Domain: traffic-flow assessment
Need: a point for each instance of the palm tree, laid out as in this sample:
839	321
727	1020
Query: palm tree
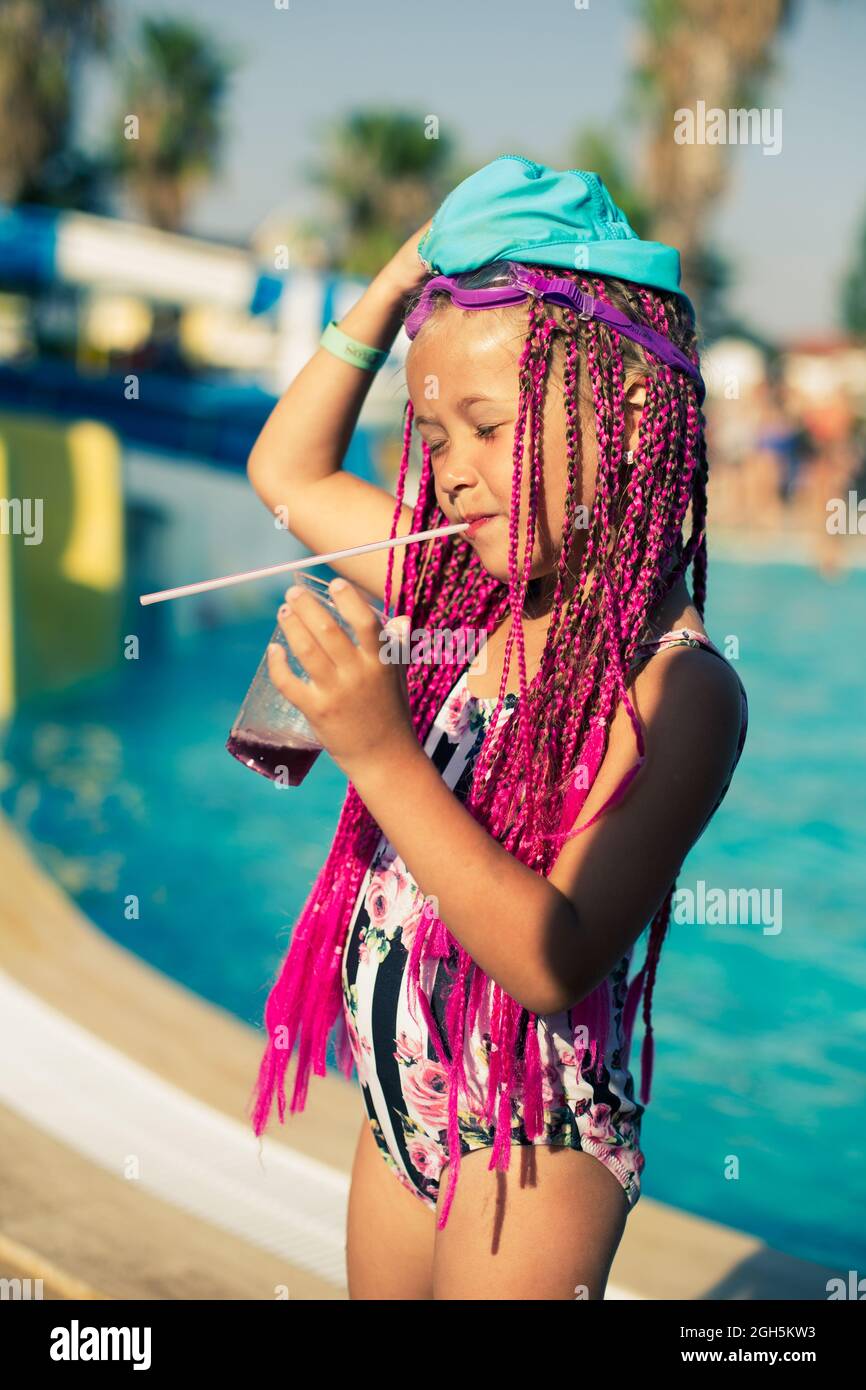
174	88
42	44
718	51
383	177
852	299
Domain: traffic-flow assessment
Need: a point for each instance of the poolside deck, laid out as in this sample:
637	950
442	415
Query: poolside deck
130	1171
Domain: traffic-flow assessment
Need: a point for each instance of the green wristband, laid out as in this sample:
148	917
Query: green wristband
349	349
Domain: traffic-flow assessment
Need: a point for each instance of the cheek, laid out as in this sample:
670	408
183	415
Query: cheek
555	477
499	467
556	466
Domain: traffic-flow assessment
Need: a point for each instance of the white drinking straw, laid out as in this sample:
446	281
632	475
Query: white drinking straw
228	579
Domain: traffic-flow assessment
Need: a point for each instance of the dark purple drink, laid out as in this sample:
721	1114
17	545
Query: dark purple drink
272	758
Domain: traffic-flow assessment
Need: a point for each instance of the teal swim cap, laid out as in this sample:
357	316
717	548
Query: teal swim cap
516	210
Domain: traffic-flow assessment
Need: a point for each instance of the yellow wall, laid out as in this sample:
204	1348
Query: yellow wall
61	600
7	644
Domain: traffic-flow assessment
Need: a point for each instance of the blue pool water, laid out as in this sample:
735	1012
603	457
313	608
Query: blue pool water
124	787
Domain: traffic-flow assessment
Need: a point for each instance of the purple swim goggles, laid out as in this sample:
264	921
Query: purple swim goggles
521	282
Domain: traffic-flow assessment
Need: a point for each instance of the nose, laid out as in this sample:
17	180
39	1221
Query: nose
457	474
457	477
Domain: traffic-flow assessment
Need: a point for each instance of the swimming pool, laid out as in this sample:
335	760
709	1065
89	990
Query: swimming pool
758	1114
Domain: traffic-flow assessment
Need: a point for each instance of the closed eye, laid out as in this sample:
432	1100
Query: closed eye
482	432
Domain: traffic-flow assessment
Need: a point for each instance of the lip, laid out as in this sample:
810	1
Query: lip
477	522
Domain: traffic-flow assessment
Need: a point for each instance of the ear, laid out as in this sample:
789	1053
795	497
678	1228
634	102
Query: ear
635	400
636	393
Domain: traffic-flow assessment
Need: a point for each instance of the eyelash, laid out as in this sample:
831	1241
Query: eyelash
482	431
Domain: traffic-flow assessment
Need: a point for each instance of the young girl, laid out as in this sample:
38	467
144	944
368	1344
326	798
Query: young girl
501	850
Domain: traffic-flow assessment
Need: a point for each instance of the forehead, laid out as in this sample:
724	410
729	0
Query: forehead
462	348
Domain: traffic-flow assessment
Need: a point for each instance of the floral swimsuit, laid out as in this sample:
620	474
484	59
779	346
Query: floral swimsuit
402	1080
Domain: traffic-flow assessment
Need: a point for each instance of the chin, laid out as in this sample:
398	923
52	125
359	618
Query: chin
499	572
495	570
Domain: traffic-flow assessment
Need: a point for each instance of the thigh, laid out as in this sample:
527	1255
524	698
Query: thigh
548	1228
389	1233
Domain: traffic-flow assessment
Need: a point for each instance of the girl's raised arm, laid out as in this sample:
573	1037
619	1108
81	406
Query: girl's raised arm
296	462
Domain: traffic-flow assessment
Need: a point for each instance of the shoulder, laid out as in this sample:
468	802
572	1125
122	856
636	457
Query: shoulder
690	701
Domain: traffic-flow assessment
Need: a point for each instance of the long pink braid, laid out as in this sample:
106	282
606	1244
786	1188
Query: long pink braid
533	774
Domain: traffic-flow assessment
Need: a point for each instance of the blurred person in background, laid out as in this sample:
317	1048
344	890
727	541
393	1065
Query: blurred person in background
730	433
779	449
835	467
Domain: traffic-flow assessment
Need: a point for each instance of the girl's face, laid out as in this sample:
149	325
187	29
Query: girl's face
462	374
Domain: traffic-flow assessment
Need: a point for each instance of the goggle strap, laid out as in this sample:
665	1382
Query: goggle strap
556	290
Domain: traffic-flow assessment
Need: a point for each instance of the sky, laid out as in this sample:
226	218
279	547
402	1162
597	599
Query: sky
524	78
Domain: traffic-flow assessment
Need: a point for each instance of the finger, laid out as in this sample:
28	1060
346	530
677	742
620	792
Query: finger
305	644
358	613
395	631
333	642
283	679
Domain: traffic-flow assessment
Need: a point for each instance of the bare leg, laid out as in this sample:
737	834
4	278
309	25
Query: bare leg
389	1233
546	1229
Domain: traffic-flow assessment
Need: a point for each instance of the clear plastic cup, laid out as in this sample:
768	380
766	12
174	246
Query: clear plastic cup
270	734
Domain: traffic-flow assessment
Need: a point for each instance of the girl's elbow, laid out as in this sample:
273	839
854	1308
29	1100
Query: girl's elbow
255	460
541	995
555	996
574	984
560	997
556	1004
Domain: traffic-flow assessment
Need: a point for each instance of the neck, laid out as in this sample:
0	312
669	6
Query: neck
538	600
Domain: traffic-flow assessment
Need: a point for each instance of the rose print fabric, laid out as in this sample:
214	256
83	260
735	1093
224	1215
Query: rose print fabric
402	1080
